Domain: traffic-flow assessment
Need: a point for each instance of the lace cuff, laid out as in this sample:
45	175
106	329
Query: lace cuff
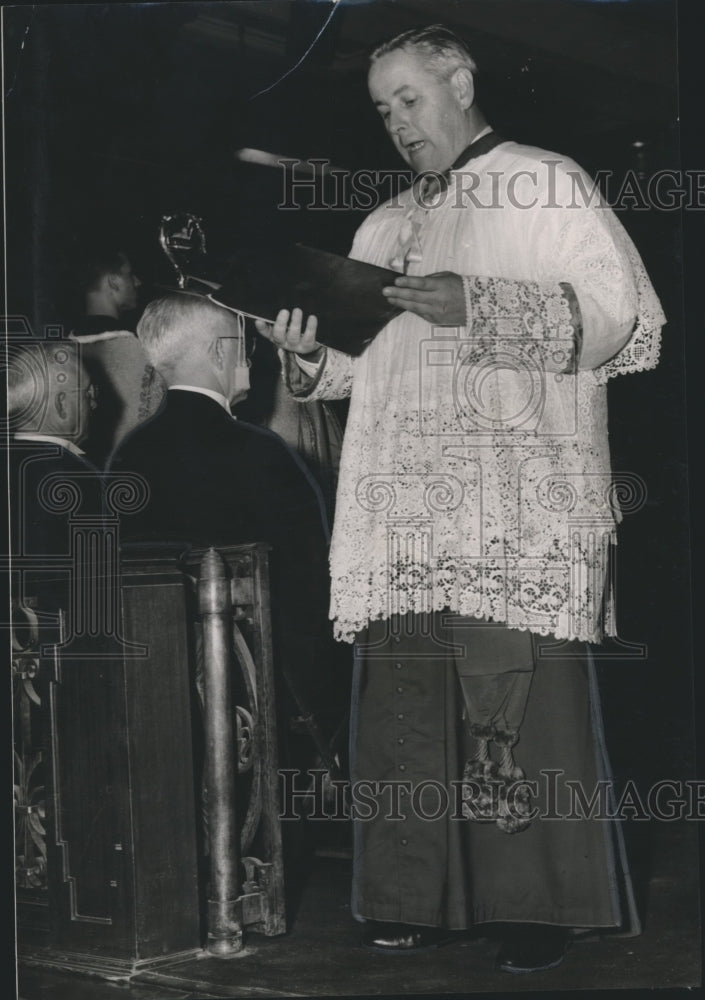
641	353
333	380
594	252
499	308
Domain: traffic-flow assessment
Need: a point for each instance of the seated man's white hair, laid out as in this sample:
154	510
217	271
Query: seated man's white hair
177	325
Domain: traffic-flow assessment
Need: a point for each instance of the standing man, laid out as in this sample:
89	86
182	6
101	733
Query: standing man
474	516
127	385
110	290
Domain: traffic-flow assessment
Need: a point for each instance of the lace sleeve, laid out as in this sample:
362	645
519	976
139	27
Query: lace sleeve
642	350
333	380
596	254
548	312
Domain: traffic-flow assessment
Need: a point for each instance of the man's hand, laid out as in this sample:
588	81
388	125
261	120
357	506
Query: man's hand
438	298
288	334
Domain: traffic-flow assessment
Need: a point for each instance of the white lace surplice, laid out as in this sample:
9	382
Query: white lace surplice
475	473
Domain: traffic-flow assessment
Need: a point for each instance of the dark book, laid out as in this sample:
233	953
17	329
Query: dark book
345	295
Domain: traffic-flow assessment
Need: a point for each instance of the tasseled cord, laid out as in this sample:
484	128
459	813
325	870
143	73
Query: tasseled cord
490	782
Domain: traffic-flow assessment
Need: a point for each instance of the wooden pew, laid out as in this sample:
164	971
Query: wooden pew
126	881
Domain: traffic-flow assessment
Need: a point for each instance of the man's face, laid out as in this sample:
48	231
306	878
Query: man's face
421	113
126	285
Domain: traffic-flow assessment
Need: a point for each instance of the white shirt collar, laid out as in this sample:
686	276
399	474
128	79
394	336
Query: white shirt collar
217	396
50	439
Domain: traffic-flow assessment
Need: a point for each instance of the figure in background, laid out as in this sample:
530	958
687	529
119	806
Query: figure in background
50	403
474	517
127	385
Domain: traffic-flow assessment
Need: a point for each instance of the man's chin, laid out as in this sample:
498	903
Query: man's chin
421	164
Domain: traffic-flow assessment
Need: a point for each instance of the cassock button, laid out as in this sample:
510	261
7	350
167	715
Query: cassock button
400	740
398	666
402	767
400	690
400	716
403	841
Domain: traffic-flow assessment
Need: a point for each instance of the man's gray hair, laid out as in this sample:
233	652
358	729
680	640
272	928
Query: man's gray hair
443	50
34	371
174	324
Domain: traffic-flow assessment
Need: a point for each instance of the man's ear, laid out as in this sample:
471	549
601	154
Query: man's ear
463	86
113	281
216	352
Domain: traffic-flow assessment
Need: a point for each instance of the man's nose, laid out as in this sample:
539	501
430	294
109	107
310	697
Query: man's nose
397	122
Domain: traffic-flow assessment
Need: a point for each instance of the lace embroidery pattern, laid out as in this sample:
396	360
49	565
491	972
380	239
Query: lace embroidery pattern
497	527
152	389
498	306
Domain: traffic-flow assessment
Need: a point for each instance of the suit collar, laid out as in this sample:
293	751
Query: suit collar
217	397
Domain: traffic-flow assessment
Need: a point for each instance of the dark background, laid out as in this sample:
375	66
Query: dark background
115	114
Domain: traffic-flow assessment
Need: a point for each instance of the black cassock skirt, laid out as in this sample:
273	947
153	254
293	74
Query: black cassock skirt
417	859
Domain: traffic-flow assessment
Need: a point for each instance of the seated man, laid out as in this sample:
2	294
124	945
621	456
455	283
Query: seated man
50	399
128	387
215	480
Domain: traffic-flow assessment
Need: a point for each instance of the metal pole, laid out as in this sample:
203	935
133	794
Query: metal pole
224	923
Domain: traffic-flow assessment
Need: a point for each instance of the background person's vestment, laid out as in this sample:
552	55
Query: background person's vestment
129	389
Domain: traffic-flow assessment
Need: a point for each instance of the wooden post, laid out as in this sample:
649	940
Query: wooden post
224	921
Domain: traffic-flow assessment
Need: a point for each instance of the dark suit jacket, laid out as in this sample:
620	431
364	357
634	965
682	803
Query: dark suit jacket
44	478
215	480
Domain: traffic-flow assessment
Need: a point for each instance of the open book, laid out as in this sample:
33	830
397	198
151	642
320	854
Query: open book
345	295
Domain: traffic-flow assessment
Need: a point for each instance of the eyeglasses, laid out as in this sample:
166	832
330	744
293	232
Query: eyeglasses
244	350
90	391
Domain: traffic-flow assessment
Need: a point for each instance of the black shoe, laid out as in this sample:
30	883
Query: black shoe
402	939
532	948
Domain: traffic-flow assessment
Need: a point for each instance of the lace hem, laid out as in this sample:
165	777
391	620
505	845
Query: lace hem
347	631
545	606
